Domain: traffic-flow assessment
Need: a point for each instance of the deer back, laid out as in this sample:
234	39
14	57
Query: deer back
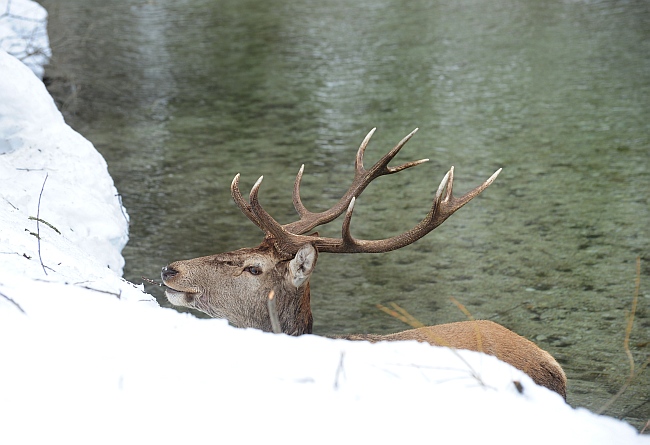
490	338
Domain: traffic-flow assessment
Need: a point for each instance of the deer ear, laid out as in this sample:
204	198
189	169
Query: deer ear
302	265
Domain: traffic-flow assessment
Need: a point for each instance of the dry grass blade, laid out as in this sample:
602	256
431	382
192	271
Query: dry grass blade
411	319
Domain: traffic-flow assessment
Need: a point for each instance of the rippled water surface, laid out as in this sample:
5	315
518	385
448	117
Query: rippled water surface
181	96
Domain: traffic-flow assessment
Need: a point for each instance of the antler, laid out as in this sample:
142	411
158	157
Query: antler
289	238
362	177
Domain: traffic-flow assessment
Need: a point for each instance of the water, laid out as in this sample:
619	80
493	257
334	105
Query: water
181	96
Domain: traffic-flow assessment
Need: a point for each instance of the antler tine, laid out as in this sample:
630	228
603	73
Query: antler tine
399	168
362	177
396	150
241	202
444	205
255	190
345	230
286	243
441	188
269	225
382	164
297	202
358	163
450	187
457	203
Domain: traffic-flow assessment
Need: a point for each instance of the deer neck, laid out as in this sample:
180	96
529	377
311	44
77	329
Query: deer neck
295	313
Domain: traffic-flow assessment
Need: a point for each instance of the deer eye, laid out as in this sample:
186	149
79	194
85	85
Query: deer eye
253	270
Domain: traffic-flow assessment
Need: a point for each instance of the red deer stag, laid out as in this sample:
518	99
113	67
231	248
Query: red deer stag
235	285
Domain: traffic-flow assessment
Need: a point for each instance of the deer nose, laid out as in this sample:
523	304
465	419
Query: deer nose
167	273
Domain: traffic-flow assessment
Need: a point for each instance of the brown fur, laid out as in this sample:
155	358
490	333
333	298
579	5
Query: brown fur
220	286
490	338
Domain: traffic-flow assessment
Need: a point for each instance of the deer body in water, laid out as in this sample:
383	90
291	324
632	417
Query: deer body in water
235	285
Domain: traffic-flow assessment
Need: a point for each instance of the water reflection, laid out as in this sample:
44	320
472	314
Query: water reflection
181	96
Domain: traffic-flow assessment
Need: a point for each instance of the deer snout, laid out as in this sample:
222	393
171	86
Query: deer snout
168	273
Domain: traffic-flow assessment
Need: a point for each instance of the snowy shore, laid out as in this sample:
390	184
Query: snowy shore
87	357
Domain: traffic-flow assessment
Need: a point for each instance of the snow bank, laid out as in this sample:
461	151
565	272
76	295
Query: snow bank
39	151
23	33
87	357
89	368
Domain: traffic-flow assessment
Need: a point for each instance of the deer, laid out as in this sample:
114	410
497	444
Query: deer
235	285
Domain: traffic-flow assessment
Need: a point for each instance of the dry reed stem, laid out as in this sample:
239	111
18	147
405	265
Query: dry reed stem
626	342
630	316
403	315
395	314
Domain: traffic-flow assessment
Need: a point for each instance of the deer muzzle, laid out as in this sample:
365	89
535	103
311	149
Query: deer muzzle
176	294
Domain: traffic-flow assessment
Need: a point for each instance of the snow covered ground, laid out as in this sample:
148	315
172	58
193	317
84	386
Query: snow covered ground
86	357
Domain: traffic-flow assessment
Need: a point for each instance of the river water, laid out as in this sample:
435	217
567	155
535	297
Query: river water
179	96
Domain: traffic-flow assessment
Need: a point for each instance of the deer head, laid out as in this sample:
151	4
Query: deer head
235	285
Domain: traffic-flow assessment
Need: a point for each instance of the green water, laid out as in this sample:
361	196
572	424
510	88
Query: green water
181	96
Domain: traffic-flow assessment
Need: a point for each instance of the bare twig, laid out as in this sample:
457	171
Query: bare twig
126	218
16	253
150	281
38	226
273	313
118	295
15	208
12	301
